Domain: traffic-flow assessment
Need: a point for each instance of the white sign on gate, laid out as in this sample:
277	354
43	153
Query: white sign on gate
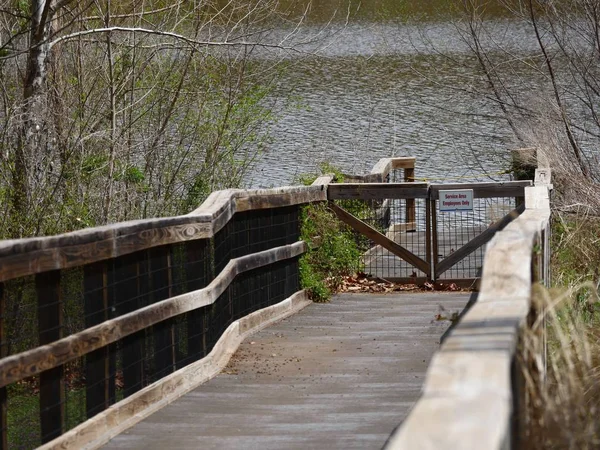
456	200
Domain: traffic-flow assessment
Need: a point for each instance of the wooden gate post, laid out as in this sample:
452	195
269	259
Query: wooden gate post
428	235
409	176
434	236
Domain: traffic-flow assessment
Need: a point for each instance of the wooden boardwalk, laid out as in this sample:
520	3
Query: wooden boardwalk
337	375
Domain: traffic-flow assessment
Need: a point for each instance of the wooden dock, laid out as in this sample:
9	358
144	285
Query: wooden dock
338	375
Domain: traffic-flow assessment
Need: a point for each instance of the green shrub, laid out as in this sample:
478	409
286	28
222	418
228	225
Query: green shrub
335	251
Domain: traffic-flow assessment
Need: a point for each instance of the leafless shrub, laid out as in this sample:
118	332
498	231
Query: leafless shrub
121	110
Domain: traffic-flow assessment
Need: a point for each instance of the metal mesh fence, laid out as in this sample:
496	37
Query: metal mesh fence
42	309
419	241
455	229
404	228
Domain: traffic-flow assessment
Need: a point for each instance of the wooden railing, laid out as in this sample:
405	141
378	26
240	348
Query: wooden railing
102	326
473	396
142	300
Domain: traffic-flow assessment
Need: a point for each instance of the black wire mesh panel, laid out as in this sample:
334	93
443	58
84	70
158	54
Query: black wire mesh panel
250	292
254	231
405	223
457	228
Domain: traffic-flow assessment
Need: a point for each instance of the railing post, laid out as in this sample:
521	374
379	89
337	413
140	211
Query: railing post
52	392
434	235
127	299
164	345
409	176
3	353
197	268
99	378
428	237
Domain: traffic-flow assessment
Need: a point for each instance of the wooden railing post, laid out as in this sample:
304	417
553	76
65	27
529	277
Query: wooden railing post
126	291
100	364
434	236
411	214
428	238
197	259
164	346
52	392
3	353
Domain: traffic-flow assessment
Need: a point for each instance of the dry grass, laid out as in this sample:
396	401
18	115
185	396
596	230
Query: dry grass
563	389
563	393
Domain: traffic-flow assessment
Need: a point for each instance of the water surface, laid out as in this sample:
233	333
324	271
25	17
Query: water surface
382	85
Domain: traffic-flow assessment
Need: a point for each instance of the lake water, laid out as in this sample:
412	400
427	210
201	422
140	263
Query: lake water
381	86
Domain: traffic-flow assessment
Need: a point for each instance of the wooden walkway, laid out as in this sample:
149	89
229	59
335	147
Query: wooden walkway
337	375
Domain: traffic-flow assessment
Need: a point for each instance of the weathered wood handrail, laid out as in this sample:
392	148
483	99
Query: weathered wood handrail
484	190
22	257
469	393
29	256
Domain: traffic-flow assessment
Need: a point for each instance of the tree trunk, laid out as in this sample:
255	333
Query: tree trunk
33	133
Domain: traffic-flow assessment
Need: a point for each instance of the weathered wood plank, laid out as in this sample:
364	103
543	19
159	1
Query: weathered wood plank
385	165
485	190
255	202
323	180
382	169
379	238
353	398
35	361
477	241
52	392
404	162
373	191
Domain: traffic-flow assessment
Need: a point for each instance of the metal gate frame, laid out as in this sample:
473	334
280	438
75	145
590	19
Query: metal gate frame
431	266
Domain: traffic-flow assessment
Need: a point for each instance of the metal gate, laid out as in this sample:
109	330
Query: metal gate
410	240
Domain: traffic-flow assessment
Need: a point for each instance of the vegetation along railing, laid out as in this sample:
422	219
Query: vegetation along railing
474	396
100	327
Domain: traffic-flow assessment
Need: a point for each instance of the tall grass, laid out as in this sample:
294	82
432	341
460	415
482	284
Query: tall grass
563	392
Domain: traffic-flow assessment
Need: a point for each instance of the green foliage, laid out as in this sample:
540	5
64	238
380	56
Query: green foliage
335	250
133	175
576	263
24	413
93	164
324	168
